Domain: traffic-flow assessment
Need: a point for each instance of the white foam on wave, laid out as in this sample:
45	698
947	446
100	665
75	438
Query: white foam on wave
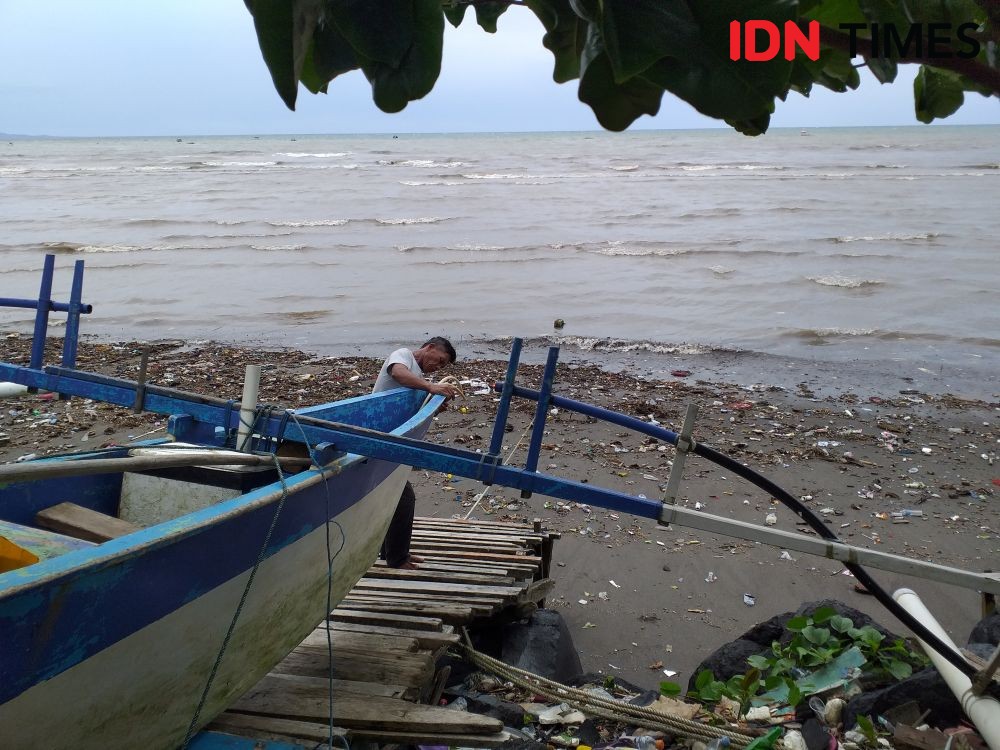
589	344
239	163
619	248
310	223
721	270
625	168
496	176
277	248
420	163
888	237
844	282
834	331
423	183
107	248
306	155
417	220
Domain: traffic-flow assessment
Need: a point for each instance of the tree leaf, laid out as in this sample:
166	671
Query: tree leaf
487	15
381	31
841	624
616	106
455	13
284	32
393	87
822	614
704	677
817	636
565	35
796	624
758	661
936	93
329	56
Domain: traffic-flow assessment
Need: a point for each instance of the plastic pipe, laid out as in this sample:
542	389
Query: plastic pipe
983	710
248	408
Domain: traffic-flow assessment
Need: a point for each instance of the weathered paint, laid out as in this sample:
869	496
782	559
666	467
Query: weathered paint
113	645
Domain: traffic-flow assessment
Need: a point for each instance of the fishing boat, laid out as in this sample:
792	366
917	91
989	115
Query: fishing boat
112	643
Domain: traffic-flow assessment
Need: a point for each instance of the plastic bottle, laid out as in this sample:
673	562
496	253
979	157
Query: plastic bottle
907	513
719	743
645	743
459	704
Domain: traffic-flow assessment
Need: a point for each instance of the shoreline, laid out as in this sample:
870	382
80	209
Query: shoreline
854	454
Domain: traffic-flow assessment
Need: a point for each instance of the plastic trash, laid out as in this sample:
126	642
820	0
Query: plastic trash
907	513
749	600
459	704
645	743
770	519
719	743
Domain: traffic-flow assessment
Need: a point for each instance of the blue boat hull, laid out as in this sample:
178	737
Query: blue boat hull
111	646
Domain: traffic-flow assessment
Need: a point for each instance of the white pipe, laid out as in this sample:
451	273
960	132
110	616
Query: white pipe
7	390
983	710
251	385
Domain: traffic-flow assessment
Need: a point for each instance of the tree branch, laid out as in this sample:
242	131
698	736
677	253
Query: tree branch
975	71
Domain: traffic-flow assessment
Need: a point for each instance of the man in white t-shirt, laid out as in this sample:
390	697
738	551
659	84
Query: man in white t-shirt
406	369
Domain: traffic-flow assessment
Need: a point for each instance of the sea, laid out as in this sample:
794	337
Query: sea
831	252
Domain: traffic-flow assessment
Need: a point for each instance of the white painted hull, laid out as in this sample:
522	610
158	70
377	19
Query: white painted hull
115	699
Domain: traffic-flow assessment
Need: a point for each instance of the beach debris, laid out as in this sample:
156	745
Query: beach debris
711	577
771	518
785	555
680	373
749	600
558	323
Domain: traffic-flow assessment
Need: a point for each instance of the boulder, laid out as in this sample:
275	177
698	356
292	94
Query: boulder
541	645
987	630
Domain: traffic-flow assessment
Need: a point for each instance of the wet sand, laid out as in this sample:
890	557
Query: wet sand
635	594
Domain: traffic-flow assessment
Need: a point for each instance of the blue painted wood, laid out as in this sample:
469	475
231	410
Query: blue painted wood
42	313
541	410
220	741
506	395
32	304
72	336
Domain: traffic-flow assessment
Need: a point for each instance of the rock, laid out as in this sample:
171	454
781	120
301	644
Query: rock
815	735
987	630
833	711
793	740
542	646
728	660
859	618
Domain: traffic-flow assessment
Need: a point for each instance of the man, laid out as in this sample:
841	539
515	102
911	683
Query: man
406	369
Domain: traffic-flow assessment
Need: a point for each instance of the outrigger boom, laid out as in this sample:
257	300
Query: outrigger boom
213	420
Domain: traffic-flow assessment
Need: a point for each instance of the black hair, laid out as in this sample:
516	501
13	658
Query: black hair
444	345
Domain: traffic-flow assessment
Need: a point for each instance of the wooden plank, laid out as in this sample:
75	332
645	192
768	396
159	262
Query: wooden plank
454	567
442	552
413	622
352	711
484	603
430	587
279	680
538	590
83	523
498	549
452	615
360	641
485	522
425	639
468	529
400	669
446	535
478	610
423	574
272	728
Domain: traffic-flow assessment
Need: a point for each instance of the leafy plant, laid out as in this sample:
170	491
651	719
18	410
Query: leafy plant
816	640
627	53
669	688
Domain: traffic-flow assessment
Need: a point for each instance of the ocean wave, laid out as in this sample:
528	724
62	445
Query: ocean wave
721	270
712	213
420	163
927	336
305	155
417	220
12	170
238	163
689	167
310	223
888	237
424	183
622	346
823	333
625	168
278	248
633	251
844	282
303	316
496	176
108	248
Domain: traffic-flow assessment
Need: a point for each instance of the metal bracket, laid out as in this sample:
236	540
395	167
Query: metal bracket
685	444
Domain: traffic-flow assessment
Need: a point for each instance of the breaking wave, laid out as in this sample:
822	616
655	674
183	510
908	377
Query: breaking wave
844	282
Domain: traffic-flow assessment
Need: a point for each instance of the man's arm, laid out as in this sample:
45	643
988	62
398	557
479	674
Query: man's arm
402	375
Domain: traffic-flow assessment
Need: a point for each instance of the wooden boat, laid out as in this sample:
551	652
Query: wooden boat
110	644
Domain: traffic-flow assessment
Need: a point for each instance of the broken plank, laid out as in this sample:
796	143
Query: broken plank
399	669
426	639
414	622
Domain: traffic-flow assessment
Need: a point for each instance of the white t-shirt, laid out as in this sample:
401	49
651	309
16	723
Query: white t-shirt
403	356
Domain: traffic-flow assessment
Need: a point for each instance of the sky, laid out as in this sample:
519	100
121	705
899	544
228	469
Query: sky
192	67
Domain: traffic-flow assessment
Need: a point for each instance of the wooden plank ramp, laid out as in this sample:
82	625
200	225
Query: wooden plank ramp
387	637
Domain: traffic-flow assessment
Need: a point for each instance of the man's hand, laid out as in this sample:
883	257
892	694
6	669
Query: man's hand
442	389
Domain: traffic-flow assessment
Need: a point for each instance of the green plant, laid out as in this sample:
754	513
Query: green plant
817	640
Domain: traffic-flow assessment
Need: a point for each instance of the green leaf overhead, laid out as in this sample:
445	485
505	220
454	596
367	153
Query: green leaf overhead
627	53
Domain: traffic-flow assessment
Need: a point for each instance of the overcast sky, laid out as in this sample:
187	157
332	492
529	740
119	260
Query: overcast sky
134	67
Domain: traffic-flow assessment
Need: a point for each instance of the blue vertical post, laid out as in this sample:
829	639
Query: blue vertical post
73	318
42	314
541	410
506	395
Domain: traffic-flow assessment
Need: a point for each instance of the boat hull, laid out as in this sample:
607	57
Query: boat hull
112	646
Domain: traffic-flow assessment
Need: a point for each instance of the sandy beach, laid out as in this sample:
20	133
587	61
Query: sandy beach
640	599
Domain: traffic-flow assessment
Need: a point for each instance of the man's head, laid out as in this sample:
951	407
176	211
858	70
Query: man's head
435	354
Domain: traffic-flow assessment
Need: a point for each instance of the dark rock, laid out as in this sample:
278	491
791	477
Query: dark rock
728	660
510	714
542	645
816	735
769	631
987	630
595	678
